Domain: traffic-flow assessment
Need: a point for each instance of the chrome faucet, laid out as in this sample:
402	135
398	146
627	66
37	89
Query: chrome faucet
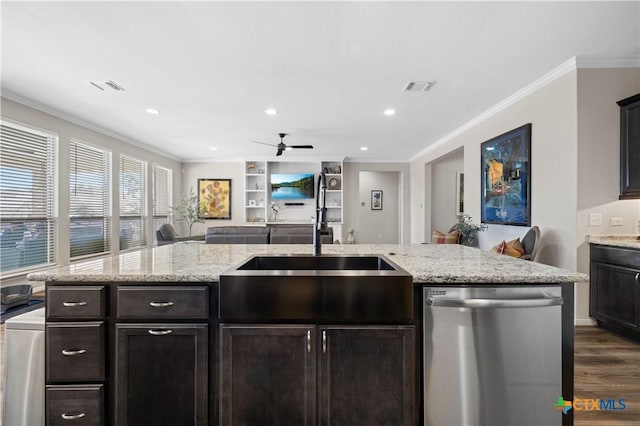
321	214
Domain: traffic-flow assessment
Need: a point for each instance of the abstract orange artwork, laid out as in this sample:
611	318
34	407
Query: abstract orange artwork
214	197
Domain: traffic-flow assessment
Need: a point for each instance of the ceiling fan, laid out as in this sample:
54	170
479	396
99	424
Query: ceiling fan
282	147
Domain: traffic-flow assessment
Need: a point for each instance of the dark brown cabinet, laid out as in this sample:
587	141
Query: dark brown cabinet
308	374
366	375
615	289
630	147
161	374
81	405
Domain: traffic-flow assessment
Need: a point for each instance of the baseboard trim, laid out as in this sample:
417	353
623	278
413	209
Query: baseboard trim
581	322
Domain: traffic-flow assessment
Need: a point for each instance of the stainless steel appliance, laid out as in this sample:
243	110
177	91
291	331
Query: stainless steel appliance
492	355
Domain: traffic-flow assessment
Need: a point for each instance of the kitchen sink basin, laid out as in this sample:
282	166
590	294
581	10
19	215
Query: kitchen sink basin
323	289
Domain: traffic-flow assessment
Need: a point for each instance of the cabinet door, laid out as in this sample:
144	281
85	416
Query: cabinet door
615	294
367	375
630	147
267	375
161	374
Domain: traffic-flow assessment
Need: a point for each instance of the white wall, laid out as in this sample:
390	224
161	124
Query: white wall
552	111
351	197
442	202
599	161
66	131
379	226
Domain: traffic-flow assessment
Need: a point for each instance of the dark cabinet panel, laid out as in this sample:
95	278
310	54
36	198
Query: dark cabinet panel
82	302
80	405
615	294
267	375
367	376
161	374
75	351
615	289
630	147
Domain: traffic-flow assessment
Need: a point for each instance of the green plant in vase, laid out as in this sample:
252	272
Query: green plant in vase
188	210
468	229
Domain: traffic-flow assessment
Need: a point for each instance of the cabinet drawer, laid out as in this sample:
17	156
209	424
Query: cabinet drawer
75	302
163	302
75	351
75	405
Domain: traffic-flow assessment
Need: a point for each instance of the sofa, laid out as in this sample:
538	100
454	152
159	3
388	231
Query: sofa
278	234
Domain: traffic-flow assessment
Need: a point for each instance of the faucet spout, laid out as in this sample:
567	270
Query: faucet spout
321	214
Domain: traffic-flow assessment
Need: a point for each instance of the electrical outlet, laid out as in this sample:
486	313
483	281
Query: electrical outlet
616	221
595	219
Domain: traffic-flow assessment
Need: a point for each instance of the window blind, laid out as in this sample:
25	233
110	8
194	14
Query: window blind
28	193
90	200
161	198
132	202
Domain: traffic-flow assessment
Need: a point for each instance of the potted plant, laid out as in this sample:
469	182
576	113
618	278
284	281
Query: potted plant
188	210
468	230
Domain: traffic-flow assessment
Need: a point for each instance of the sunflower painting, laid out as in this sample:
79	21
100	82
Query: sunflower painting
214	198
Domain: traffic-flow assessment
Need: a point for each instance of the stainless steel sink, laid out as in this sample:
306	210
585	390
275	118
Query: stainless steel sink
325	289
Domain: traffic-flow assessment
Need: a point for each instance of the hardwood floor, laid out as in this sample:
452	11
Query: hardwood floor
606	367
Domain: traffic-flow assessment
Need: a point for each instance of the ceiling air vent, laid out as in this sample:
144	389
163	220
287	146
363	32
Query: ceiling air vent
418	86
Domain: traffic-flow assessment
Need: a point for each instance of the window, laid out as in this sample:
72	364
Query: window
132	202
161	196
27	209
90	200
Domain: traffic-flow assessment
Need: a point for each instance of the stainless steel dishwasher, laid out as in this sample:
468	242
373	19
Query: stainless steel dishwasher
492	355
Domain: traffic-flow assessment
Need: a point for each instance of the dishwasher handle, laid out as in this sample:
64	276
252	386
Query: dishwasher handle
494	303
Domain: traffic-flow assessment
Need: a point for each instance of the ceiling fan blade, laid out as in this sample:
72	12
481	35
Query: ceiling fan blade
301	146
279	152
264	143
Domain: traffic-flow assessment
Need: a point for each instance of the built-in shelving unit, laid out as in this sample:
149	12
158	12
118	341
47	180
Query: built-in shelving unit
257	202
255	189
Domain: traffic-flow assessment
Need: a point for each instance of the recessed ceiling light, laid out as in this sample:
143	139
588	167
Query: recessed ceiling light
152	111
270	111
390	111
213	148
363	148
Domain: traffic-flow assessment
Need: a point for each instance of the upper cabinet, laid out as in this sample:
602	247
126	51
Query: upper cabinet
630	147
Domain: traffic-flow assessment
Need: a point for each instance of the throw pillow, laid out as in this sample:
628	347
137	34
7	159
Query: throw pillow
511	248
438	237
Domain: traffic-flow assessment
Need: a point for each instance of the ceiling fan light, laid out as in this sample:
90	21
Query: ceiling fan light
288	148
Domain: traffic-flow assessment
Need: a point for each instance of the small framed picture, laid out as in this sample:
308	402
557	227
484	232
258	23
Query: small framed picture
252	203
376	199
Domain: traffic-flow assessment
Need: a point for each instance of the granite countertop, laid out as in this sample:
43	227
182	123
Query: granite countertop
195	262
628	241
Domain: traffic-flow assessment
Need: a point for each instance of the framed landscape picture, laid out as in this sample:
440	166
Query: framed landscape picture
506	178
214	198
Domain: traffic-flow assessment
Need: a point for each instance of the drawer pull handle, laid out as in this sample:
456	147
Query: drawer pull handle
72	304
71	352
309	341
324	342
638	277
161	304
160	332
66	416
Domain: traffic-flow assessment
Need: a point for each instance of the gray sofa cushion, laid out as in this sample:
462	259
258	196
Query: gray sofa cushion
298	235
237	235
167	232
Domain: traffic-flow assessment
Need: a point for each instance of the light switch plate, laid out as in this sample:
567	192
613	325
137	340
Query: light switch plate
595	219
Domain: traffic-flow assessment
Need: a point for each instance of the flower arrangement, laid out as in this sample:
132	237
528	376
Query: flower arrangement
276	209
468	230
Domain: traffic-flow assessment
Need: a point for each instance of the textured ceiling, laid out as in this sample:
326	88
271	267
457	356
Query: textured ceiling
329	68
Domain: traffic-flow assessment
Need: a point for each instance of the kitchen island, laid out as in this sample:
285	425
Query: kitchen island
142	343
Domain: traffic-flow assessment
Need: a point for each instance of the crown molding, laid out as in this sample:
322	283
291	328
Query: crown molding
549	77
64	116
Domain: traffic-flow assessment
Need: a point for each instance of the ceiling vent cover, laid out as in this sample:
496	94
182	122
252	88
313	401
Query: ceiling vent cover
418	86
